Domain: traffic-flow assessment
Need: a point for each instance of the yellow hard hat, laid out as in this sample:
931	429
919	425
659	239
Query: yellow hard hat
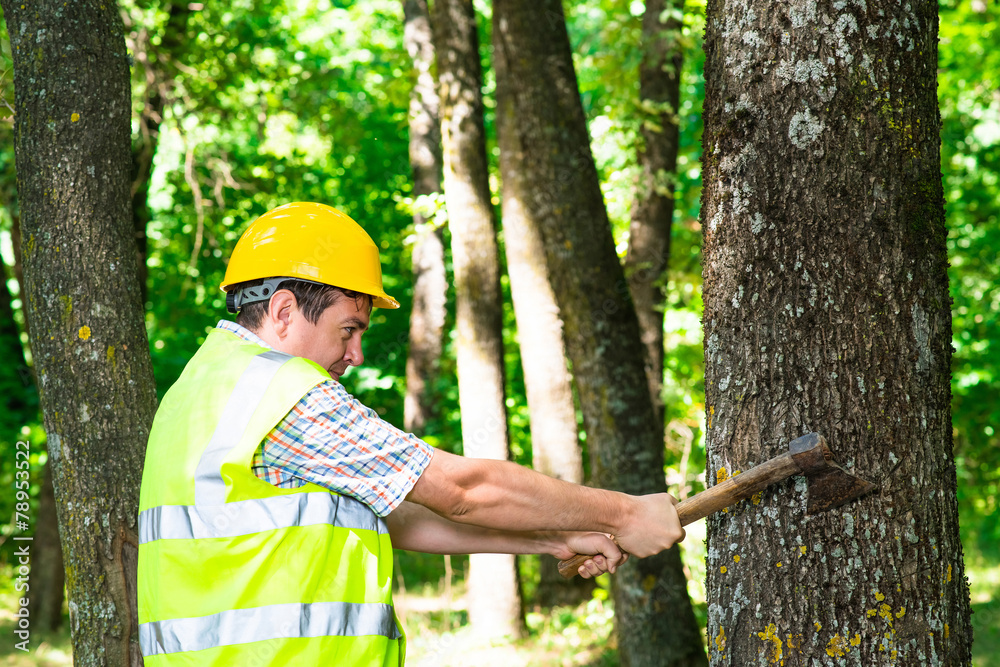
312	242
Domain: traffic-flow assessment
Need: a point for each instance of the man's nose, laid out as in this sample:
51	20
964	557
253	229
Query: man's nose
354	356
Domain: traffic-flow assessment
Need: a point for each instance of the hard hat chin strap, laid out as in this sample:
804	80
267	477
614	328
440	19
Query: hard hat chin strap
238	298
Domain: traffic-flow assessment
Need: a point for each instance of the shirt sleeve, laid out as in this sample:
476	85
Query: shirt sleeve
330	439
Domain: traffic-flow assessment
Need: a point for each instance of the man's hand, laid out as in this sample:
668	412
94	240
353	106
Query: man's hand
607	556
652	528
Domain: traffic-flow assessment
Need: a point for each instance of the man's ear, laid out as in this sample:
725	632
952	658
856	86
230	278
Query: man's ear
281	311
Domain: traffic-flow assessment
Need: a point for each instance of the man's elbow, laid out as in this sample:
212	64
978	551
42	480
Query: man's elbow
449	487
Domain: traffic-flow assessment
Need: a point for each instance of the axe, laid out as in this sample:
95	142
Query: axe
829	486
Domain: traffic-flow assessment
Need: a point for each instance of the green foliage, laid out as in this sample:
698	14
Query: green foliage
271	101
289	102
607	43
969	73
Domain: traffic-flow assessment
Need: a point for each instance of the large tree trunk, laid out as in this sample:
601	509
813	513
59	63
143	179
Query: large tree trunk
541	114
82	300
494	592
430	284
653	207
827	309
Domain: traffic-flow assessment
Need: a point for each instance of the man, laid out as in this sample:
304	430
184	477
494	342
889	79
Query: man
272	499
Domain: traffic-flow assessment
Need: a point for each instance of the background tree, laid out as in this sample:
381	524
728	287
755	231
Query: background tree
542	115
430	284
653	209
82	302
555	444
157	53
494	591
827	309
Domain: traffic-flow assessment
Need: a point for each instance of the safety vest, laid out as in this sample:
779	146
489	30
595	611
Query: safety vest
232	570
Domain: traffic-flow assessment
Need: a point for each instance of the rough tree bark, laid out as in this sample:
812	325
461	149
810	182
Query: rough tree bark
653	207
430	284
555	444
827	309
542	115
82	300
494	593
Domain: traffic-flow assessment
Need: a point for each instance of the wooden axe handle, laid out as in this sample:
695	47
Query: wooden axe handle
722	495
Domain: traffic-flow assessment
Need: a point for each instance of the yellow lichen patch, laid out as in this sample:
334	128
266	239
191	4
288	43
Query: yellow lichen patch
871	612
836	647
879	596
723	569
721	475
948	577
778	564
736	558
802	551
720	641
946	631
84	332
776	647
711	413
755	498
901	613
818	625
649	583
856	640
75	117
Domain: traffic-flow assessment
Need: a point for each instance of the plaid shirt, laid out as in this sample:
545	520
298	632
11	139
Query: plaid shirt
329	438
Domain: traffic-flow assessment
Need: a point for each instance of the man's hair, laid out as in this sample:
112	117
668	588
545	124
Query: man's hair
313	300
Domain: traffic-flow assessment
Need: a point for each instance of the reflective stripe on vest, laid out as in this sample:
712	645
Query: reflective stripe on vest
212	517
245	517
239	626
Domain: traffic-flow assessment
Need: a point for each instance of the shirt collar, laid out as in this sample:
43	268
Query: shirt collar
242	332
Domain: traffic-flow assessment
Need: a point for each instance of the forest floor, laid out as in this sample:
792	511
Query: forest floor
438	635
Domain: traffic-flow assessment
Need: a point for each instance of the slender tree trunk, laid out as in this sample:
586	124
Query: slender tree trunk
48	581
555	444
159	70
541	114
827	310
430	284
15	241
82	300
494	592
653	208
17	387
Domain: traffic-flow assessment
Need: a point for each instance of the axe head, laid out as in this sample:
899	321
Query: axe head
828	485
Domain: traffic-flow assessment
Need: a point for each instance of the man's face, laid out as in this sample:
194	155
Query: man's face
334	342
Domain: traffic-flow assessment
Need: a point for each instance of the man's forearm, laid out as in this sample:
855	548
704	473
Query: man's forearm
416	528
506	496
